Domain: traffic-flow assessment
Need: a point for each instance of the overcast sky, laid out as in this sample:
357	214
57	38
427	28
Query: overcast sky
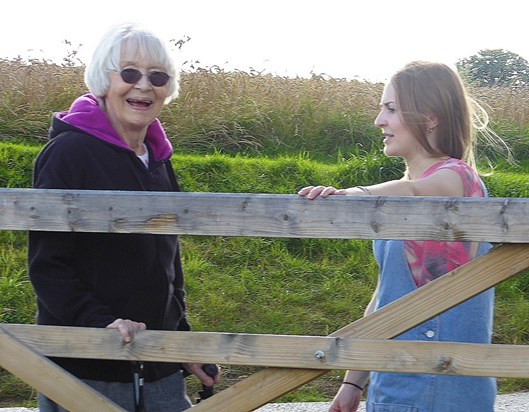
341	38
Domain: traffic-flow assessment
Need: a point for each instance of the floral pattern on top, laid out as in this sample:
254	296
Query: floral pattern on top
429	259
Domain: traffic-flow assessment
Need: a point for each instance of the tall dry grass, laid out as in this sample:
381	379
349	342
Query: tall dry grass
505	104
238	112
31	92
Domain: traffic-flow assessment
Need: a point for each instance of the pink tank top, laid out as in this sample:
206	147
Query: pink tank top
429	259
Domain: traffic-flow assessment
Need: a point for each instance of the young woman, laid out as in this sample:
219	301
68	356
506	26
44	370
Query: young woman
426	118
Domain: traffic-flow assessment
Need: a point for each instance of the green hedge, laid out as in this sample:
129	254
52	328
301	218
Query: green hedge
223	174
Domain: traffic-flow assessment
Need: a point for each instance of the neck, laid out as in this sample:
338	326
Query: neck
134	139
416	168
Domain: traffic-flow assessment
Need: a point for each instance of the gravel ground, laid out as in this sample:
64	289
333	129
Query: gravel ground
515	402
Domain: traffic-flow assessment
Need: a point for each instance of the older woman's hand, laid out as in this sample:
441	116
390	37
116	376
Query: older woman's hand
312	192
127	328
197	370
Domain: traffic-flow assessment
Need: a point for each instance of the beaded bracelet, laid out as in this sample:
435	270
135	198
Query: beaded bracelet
352	384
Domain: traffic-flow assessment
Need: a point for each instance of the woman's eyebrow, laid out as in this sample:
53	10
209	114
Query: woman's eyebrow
386	104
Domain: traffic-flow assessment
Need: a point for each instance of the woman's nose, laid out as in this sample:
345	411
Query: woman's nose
379	120
144	82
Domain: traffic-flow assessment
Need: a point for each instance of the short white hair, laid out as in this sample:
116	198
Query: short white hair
139	41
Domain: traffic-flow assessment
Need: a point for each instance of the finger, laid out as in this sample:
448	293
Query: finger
305	190
138	325
127	333
125	328
114	324
196	369
315	192
327	191
204	378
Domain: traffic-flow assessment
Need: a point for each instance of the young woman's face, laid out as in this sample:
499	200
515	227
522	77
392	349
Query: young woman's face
398	140
132	107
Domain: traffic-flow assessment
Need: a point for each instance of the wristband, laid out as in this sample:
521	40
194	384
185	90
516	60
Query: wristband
352	384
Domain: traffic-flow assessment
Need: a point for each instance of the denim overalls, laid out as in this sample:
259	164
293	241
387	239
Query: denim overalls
470	321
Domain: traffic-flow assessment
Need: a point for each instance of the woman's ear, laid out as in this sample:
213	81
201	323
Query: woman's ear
431	123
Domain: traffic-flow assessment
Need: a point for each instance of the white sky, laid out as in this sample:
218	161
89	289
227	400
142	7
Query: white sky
367	39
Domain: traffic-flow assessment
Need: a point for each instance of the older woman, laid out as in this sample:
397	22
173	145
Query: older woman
111	139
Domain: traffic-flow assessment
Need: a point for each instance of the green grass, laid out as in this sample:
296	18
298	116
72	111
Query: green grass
264	285
238	132
17	303
274	286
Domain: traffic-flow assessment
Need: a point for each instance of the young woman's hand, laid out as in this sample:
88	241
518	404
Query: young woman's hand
312	192
346	400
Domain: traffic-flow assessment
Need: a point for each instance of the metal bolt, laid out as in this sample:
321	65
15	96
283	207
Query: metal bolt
320	355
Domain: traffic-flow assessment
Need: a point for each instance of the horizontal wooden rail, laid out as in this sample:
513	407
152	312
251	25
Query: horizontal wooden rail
288	351
497	220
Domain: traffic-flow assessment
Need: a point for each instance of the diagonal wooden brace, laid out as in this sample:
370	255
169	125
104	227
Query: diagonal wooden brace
430	300
65	389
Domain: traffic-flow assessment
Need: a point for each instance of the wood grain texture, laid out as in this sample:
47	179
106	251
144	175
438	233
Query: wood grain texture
288	351
48	378
497	220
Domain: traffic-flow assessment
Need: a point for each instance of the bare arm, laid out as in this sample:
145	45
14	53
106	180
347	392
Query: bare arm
444	182
349	396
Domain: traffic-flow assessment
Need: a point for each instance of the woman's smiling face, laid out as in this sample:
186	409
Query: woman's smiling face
133	107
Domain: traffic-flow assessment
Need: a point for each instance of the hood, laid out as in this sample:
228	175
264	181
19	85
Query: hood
85	114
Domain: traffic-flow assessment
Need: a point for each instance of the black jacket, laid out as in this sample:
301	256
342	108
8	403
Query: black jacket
91	279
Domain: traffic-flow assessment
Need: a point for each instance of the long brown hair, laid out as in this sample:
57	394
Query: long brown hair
426	89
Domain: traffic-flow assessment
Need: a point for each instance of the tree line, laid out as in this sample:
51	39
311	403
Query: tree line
495	67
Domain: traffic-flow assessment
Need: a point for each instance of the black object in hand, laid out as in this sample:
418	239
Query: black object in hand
208	391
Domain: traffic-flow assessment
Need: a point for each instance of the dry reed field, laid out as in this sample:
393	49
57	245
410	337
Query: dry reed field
238	112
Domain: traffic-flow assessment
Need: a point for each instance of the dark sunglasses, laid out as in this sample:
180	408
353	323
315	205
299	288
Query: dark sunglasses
133	76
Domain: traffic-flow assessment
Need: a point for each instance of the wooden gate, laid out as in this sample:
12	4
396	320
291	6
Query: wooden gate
291	361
